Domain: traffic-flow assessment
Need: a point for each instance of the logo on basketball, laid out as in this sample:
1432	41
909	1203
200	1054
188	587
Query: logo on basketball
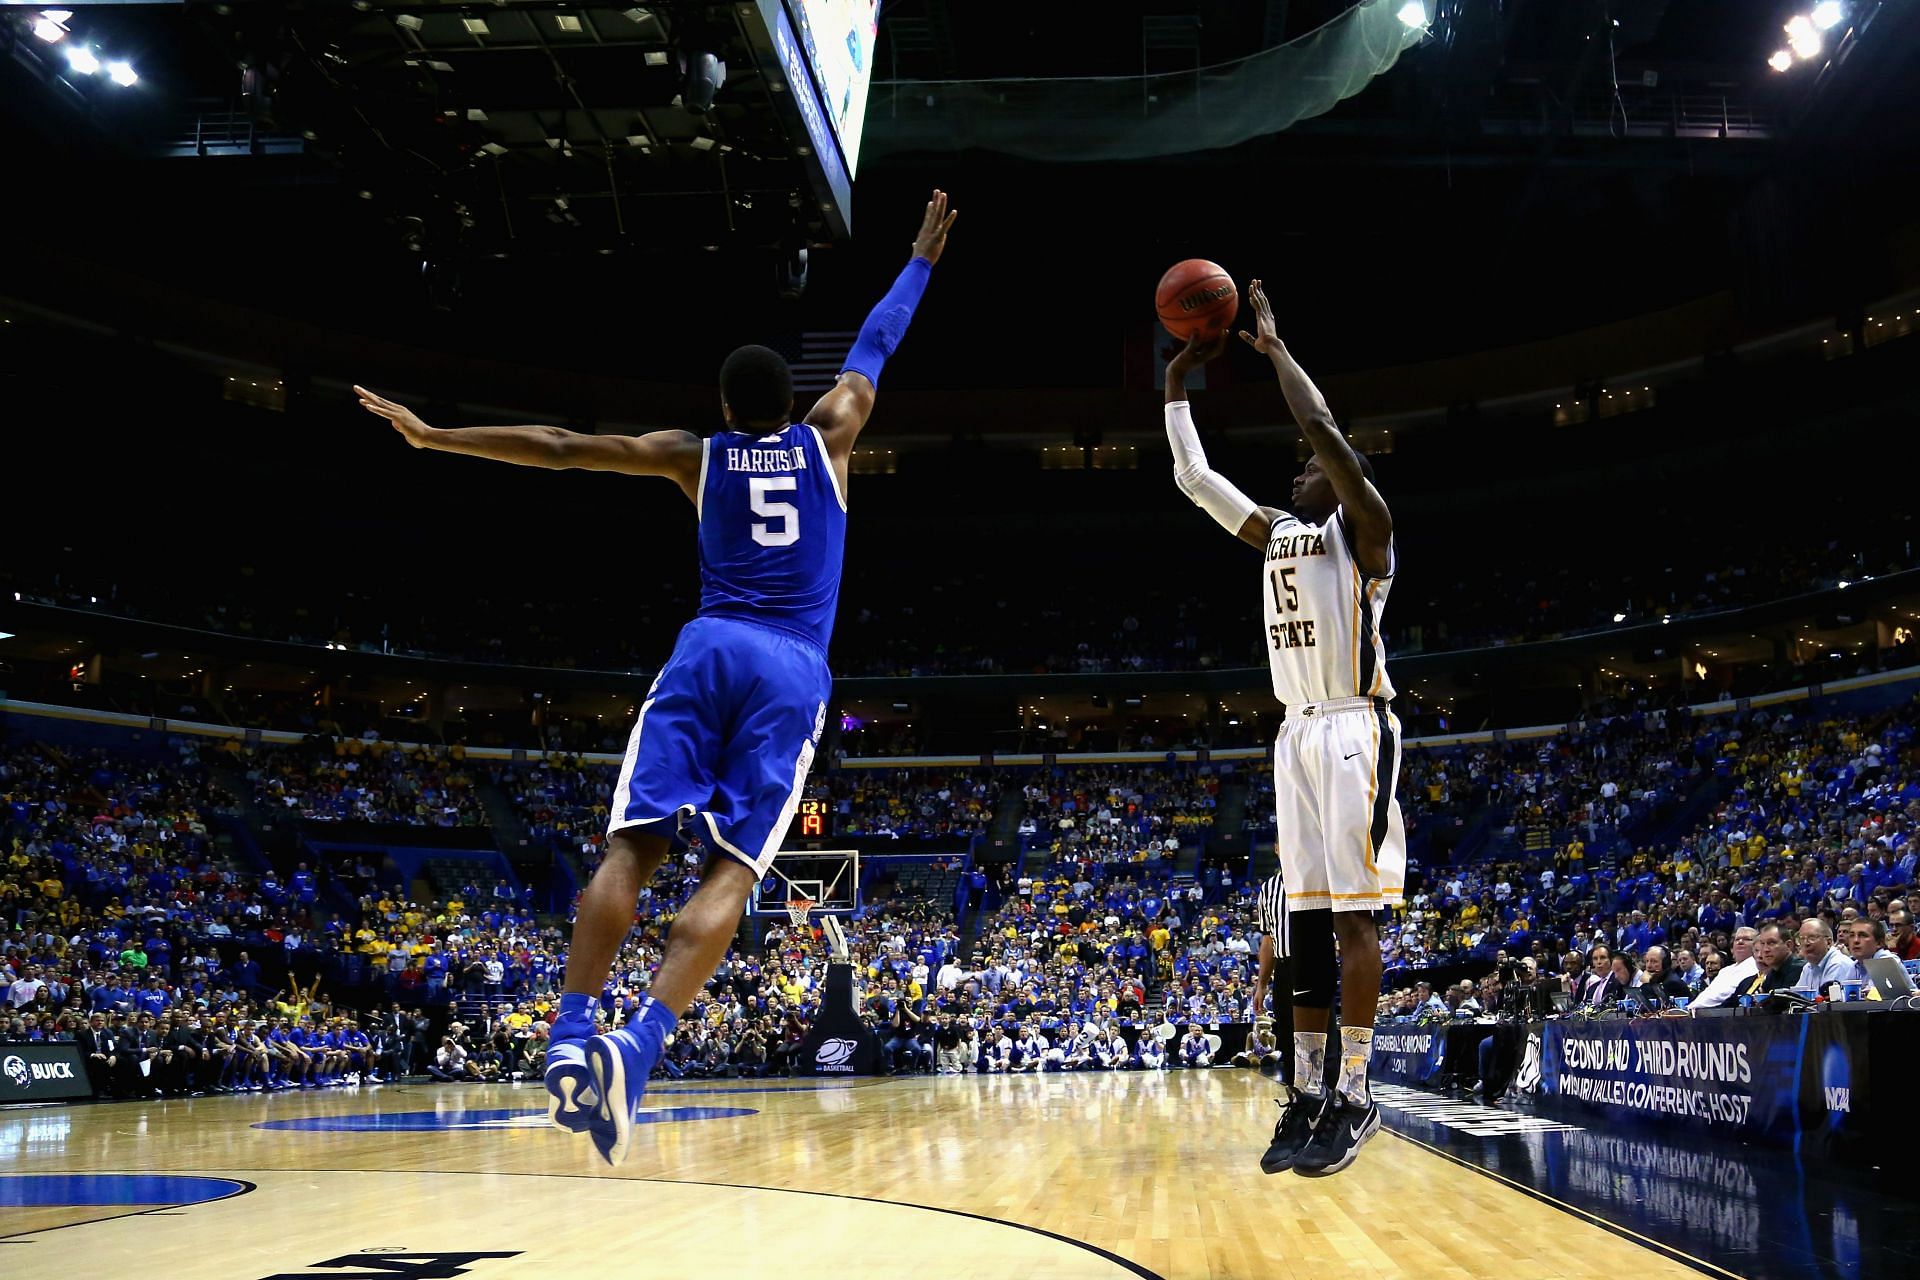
16	1071
1201	297
835	1053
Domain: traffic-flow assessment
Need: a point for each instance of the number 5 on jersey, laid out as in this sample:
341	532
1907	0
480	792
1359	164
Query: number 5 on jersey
765	534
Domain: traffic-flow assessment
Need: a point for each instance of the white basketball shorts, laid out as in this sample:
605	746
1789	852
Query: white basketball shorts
1336	768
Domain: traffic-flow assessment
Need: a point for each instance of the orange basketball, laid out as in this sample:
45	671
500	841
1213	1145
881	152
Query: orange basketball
1196	296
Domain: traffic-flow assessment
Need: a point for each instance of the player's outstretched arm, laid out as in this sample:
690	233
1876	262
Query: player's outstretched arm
843	412
1367	515
673	454
1212	492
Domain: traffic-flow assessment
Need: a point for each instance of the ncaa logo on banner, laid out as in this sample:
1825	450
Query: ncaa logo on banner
834	1055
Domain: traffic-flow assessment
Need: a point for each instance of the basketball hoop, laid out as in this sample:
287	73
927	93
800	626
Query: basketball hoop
797	909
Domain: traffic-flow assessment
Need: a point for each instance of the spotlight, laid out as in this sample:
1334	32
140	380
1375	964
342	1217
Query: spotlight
122	74
1781	60
51	24
410	21
654	57
1619	617
81	59
1414	13
705	74
1827	14
1801	37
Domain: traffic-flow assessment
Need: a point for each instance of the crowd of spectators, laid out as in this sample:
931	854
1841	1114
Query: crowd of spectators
1629	850
362	779
1023	627
909	802
1112	813
1809	827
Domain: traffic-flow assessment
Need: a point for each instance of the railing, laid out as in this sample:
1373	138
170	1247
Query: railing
226	132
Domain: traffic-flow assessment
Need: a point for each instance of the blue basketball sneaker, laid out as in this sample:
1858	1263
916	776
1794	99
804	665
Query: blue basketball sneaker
570	1093
620	1062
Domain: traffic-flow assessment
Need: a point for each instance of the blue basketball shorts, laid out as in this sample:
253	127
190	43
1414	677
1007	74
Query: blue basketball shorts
725	738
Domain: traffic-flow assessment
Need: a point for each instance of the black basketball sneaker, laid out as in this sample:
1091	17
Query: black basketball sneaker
1338	1134
1292	1131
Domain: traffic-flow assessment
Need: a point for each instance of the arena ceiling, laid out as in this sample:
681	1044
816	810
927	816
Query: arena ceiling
1534	166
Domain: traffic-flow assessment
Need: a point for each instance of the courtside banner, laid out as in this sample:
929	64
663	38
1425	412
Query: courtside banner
42	1073
1735	1076
1409	1055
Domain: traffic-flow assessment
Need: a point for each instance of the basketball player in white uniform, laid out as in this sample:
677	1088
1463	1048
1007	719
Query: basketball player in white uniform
1323	584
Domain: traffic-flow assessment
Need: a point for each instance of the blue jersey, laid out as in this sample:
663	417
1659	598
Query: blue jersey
773	528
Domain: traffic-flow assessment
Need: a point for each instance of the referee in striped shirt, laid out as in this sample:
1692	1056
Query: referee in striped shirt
1271	908
1277	975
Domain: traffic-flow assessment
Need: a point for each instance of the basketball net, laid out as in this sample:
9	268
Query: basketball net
797	910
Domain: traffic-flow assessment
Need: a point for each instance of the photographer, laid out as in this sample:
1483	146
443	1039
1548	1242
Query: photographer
450	1062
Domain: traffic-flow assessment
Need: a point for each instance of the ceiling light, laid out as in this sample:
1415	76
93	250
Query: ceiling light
566	21
81	59
122	74
493	148
1782	61
6	635
476	26
1414	14
1827	14
702	144
410	21
654	57
48	27
1801	36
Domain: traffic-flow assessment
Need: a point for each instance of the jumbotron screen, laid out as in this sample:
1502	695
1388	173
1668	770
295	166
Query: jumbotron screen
838	36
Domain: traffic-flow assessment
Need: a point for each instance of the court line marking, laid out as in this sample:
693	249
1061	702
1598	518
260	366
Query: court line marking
1667	1251
24	1237
1127	1264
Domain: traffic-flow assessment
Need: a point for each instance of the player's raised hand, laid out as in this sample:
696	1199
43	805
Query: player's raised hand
1200	349
1265	339
934	225
404	420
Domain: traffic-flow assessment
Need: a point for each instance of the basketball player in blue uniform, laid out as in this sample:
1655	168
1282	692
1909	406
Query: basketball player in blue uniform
725	736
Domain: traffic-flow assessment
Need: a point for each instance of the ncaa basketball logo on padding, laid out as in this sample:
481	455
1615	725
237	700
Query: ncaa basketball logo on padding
835	1054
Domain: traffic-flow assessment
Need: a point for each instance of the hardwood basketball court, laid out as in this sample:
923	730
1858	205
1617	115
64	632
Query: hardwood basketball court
1096	1175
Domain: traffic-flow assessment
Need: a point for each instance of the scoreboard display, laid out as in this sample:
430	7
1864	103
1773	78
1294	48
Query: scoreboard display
812	821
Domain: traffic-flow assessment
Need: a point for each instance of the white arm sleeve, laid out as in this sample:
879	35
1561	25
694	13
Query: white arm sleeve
1213	494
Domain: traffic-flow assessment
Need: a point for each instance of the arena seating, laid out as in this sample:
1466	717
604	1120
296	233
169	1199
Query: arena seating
122	893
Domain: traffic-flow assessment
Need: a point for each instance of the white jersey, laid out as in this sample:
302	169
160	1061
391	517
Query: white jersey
1323	614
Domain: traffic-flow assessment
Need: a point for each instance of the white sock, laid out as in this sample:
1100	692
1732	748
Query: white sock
1356	1055
1310	1062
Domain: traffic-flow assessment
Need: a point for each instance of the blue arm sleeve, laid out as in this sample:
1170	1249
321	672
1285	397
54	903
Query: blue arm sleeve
887	322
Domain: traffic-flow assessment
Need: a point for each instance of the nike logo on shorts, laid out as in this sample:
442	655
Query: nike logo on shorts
1354	754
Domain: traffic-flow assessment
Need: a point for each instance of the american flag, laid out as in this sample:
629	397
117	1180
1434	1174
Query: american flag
817	360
